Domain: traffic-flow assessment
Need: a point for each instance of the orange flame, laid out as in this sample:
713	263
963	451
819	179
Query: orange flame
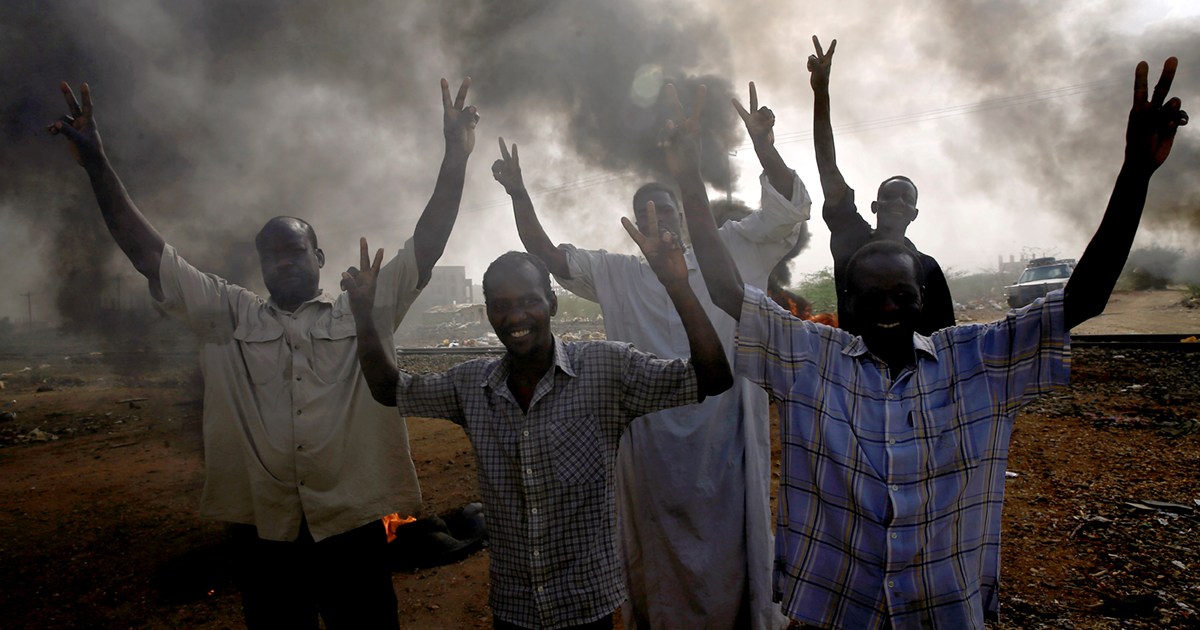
801	308
392	522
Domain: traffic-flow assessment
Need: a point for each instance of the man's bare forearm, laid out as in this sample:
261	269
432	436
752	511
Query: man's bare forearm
133	233
833	185
720	272
777	170
378	368
534	237
1100	266
708	358
437	219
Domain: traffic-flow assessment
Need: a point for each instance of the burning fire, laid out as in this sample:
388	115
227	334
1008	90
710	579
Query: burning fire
392	522
801	308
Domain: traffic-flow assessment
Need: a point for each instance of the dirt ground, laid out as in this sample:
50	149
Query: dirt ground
101	471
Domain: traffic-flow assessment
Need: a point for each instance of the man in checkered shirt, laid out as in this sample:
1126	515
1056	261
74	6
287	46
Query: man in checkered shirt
545	421
895	443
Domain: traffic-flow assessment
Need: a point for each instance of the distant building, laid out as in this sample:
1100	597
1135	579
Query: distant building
448	286
1013	267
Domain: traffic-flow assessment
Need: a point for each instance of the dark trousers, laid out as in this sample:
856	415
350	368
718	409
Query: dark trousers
344	579
604	623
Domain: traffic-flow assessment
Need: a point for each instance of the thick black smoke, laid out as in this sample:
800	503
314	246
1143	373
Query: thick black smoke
595	70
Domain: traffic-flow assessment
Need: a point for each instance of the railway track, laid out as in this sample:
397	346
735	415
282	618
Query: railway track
1173	341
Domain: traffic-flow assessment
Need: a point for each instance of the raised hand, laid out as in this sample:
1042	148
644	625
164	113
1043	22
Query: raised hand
360	283
681	142
458	121
820	64
760	122
79	126
1153	122
507	170
662	250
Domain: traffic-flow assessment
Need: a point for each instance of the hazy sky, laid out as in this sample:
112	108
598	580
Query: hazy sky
1008	115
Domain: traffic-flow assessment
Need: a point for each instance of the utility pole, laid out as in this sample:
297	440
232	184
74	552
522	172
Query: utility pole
29	307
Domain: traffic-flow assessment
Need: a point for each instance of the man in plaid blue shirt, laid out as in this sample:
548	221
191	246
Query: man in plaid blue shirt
894	443
545	422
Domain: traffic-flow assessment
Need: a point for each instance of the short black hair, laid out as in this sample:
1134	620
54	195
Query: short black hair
308	229
508	259
896	178
645	191
885	248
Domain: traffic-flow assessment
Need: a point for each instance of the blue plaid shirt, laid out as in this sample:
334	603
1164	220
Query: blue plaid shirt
891	490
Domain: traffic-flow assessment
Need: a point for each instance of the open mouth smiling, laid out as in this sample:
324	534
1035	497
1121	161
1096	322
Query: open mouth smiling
517	334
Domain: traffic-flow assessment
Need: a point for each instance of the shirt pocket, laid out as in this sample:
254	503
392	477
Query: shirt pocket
952	447
335	351
262	348
578	459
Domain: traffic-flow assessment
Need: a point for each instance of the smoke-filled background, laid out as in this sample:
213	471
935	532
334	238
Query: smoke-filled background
1008	115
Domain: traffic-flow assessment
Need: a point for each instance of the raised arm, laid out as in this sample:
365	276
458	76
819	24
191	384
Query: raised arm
437	220
681	148
760	126
507	171
378	366
129	228
833	185
1148	140
665	257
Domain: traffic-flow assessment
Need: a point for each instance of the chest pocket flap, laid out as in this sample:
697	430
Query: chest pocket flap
262	348
335	354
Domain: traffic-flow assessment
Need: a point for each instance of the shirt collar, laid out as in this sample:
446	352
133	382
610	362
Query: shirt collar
498	376
922	344
321	298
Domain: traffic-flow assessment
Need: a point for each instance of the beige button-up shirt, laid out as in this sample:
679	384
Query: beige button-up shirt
290	428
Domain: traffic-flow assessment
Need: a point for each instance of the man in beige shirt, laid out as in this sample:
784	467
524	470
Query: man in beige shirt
297	453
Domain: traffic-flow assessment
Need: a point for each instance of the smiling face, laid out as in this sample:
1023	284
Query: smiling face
884	297
896	205
519	307
291	262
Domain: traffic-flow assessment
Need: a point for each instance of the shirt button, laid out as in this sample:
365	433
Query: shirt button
891	396
299	447
895	536
528	471
533	511
299	412
525	433
536	553
891	584
302	482
540	589
895	488
298	378
892	441
297	347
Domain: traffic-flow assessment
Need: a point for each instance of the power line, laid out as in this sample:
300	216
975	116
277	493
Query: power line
853	127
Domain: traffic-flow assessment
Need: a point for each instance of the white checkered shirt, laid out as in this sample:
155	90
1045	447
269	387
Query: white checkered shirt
547	475
891	490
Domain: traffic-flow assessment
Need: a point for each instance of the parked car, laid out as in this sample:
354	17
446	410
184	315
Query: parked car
1041	276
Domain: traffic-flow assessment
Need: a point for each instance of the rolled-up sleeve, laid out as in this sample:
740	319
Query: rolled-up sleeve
773	346
429	396
778	217
582	264
1028	352
650	384
396	287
